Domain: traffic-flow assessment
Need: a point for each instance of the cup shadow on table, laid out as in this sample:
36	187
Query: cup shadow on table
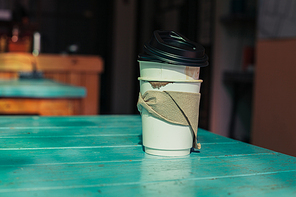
141	142
193	150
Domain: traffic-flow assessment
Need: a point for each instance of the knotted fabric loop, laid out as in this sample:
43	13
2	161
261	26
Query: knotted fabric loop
180	108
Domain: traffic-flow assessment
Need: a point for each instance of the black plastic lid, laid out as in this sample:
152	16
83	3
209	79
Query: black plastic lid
173	48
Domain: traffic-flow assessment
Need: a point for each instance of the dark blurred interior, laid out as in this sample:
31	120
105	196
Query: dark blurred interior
248	89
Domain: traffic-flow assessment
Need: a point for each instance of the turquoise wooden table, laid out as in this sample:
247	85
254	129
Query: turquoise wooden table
40	97
103	156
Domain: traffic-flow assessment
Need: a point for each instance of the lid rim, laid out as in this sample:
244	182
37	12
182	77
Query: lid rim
197	54
162	60
174	48
174	56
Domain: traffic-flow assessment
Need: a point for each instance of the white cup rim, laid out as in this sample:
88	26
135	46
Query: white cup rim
169	80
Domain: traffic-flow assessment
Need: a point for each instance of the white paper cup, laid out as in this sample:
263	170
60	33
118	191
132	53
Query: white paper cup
161	137
168	72
169	57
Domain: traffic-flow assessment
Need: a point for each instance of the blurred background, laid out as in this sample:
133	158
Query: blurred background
248	89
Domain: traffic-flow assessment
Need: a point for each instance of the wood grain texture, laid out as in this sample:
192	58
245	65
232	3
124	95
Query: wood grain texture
75	78
79	70
90	102
102	155
43	107
82	63
8	75
50	62
16	62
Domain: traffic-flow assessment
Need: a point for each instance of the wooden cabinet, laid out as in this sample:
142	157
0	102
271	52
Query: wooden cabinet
79	70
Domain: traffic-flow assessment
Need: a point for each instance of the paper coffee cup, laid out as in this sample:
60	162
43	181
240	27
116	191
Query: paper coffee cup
168	72
170	62
161	137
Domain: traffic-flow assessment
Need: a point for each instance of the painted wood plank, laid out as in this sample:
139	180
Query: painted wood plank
145	171
134	171
236	186
99	130
258	185
101	118
63	132
11	122
32	141
42	88
151	169
74	124
118	152
61	142
55	125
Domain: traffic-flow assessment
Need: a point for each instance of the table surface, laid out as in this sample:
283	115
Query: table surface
102	155
39	88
